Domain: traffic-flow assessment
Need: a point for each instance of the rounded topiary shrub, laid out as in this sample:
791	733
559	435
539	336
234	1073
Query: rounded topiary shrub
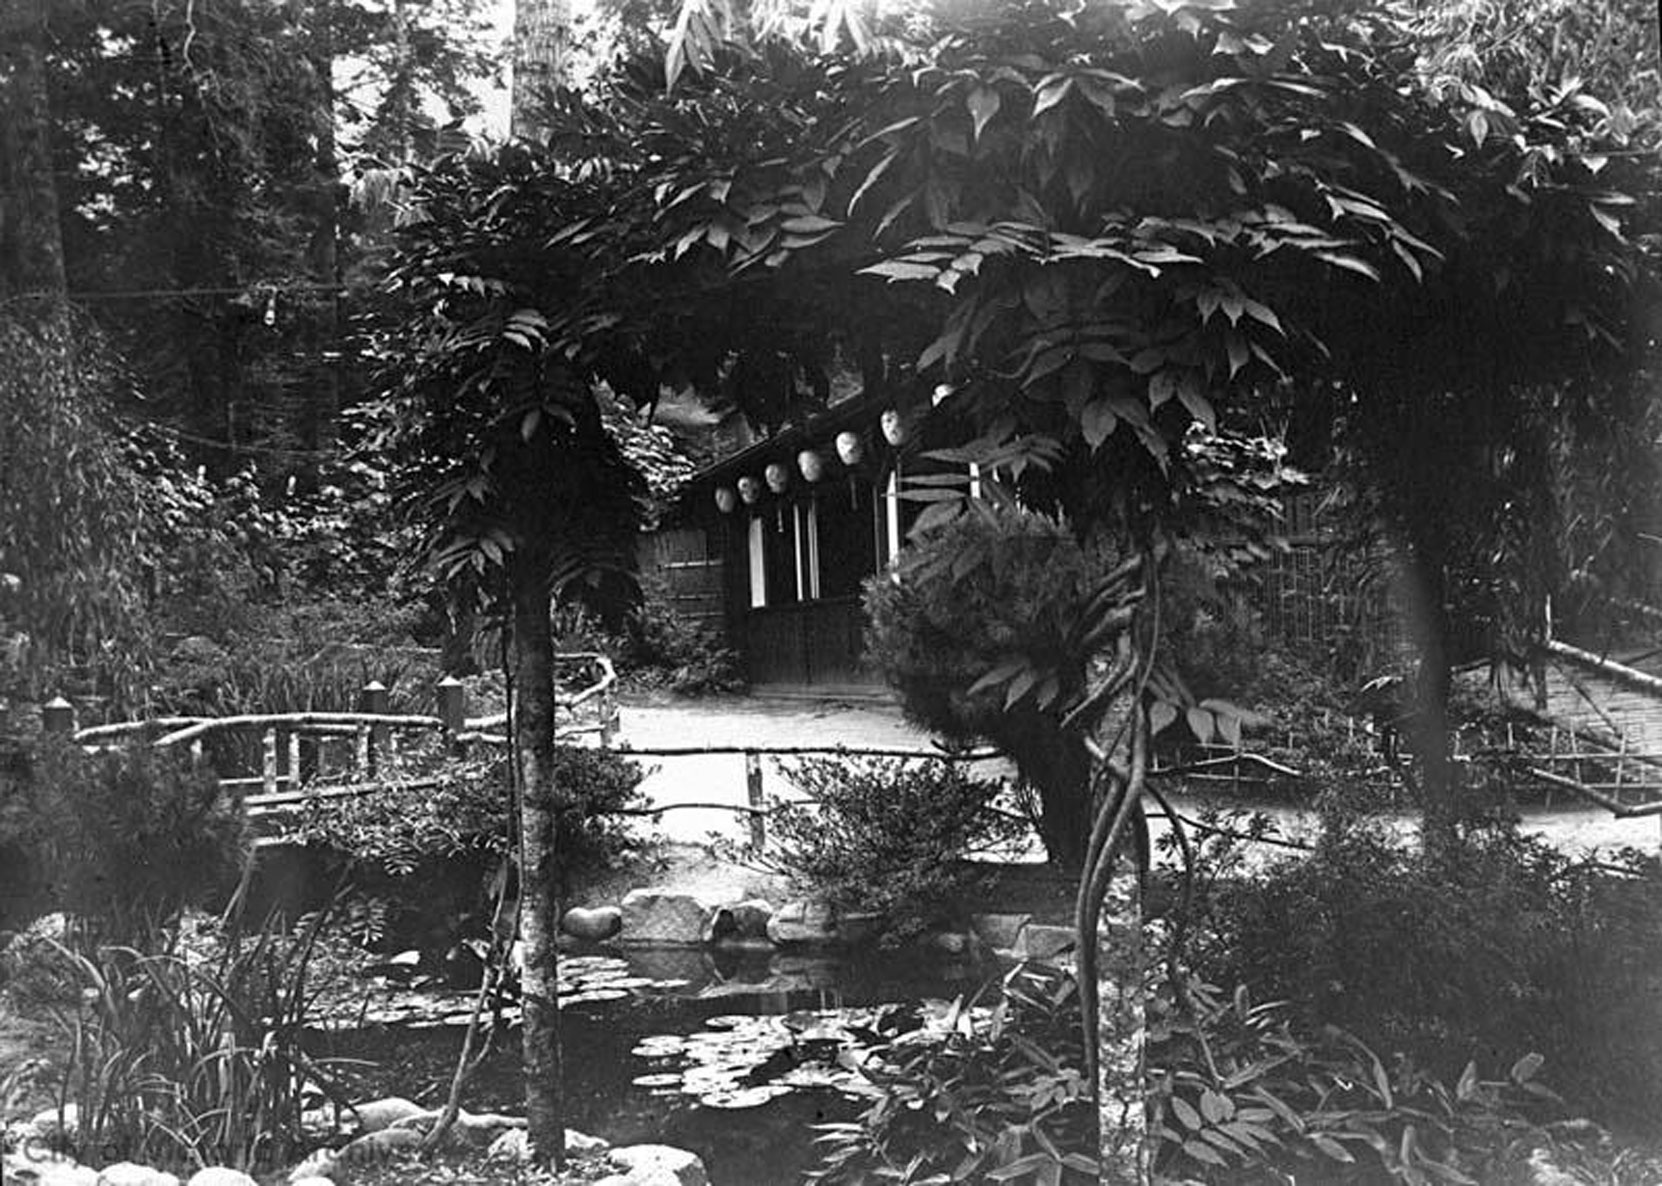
936	631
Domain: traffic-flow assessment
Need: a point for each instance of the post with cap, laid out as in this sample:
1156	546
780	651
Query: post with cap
372	699
452	697
57	716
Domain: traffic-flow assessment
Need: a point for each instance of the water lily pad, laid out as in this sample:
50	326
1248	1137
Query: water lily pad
670	1079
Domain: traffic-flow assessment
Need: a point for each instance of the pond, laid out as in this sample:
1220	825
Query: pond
733	1055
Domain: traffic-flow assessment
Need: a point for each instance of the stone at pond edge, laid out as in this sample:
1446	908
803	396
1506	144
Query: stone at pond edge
45	1169
658	916
855	927
999	931
510	1146
219	1175
741	922
320	1164
384	1113
49	1123
655	1165
602	922
127	1173
1041	941
803	921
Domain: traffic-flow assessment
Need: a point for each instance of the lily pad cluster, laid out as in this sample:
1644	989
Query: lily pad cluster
743	1061
583	980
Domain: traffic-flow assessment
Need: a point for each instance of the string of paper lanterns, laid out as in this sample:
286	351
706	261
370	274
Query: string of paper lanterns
850	448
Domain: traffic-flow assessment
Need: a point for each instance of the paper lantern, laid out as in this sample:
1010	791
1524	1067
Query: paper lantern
894	428
778	477
811	464
942	393
850	448
726	499
749	489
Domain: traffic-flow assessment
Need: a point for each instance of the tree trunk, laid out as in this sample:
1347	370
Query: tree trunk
1122	1032
323	404
542	33
31	239
1428	720
533	663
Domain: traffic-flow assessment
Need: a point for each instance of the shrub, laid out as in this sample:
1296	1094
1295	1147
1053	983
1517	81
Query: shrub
886	834
934	635
121	841
1239	1095
421	849
1505	948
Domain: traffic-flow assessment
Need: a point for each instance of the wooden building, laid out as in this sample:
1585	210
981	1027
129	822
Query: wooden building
776	542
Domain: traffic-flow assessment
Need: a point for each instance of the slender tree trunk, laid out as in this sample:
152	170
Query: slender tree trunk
31	239
324	411
533	661
542	33
1120	1035
1428	721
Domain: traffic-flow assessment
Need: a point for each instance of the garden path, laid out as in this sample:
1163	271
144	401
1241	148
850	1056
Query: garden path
762	722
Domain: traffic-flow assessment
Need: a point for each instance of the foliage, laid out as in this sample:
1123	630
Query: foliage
1002	1098
74	534
1503	947
656	646
1241	1094
186	1060
885	835
122	841
466	808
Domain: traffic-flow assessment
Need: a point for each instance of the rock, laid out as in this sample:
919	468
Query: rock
855	927
219	1175
602	922
948	942
510	1146
655	1165
801	921
471	1130
741	922
999	931
311	1182
384	1113
321	1164
1544	1172
128	1173
31	1166
657	916
379	1146
1042	941
50	1124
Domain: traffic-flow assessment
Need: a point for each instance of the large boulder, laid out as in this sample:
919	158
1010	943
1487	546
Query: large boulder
659	916
599	923
742	924
655	1165
803	921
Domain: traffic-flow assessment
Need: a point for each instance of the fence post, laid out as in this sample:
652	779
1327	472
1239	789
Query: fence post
452	697
57	716
753	786
294	759
373	698
268	761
